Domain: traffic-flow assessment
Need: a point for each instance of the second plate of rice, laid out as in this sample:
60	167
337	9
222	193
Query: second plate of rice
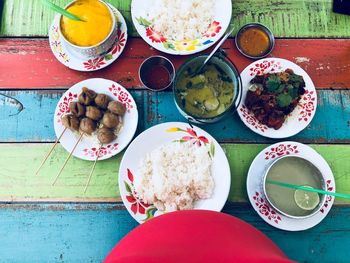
181	27
170	167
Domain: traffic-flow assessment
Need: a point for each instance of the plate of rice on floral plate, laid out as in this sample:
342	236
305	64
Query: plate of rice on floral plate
181	27
173	166
279	98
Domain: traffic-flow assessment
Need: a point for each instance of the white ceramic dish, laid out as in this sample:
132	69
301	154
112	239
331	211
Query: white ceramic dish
256	194
67	57
87	149
300	117
222	18
155	137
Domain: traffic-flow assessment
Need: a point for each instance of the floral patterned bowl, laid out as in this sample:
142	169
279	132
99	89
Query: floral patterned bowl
222	17
88	148
98	49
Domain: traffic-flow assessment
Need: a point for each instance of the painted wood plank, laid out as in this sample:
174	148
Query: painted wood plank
86	233
19	163
327	61
285	18
27	116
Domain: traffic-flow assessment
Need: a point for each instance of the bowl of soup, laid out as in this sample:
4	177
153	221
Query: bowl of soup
209	95
294	170
95	34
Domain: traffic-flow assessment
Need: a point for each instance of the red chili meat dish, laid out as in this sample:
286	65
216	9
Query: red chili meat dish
272	96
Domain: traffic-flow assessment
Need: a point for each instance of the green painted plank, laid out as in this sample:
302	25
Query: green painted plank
86	233
19	113
290	18
19	163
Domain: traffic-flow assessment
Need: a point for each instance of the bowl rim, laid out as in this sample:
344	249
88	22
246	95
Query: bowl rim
234	100
323	197
173	73
114	22
266	30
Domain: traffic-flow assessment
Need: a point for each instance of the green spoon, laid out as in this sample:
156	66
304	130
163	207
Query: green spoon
61	11
308	189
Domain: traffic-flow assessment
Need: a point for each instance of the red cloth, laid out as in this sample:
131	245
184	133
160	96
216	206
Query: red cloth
196	236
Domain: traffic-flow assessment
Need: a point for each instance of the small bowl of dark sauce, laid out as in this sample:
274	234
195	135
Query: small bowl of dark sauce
157	73
255	40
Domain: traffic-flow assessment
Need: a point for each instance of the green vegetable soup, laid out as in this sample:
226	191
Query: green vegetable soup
207	93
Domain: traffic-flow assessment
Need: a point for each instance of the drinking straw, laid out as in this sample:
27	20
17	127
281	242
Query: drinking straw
308	189
61	10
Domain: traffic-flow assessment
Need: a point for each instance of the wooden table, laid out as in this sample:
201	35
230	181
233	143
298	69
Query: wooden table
42	223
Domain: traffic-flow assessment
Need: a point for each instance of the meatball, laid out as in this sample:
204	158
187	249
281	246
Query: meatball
77	109
93	113
71	122
110	120
102	101
105	135
87	126
117	107
87	96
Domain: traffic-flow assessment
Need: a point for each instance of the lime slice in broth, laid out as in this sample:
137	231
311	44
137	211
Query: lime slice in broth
306	200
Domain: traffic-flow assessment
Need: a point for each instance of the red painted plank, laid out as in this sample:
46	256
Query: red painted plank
29	63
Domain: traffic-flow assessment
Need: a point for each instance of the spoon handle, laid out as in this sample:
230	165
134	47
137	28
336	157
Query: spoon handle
308	189
219	44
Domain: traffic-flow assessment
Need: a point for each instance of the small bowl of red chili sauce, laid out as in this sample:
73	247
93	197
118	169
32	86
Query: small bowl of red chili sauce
255	40
157	73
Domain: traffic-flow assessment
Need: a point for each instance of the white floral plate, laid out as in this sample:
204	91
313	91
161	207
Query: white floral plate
222	17
256	194
88	148
67	58
157	136
301	116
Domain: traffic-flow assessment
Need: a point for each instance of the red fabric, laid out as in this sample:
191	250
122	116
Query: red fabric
195	236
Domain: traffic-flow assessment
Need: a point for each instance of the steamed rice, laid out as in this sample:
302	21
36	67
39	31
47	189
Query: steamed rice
174	176
182	20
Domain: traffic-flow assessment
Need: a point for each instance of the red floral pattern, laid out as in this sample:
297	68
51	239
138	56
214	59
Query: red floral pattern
280	150
63	107
251	120
265	209
137	206
266	66
213	29
122	96
93	64
120	42
329	198
105	150
156	37
307	105
193	137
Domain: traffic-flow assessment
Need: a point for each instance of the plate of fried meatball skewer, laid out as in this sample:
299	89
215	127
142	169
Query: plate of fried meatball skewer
94	120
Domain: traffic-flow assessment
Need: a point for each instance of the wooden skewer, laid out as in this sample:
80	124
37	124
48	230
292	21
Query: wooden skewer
48	154
70	154
93	168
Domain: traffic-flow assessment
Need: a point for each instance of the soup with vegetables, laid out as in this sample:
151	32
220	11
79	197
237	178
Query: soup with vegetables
205	94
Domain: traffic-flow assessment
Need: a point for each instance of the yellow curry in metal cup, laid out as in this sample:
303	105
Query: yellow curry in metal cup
96	25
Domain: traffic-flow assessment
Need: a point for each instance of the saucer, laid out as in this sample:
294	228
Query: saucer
258	199
70	60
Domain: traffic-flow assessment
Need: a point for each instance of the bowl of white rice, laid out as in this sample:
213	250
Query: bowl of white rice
172	167
181	27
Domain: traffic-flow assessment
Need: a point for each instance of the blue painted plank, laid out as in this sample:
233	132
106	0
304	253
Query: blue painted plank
87	232
34	121
330	124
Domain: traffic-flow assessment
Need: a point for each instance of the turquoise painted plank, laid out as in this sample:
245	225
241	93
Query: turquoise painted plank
87	232
26	116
